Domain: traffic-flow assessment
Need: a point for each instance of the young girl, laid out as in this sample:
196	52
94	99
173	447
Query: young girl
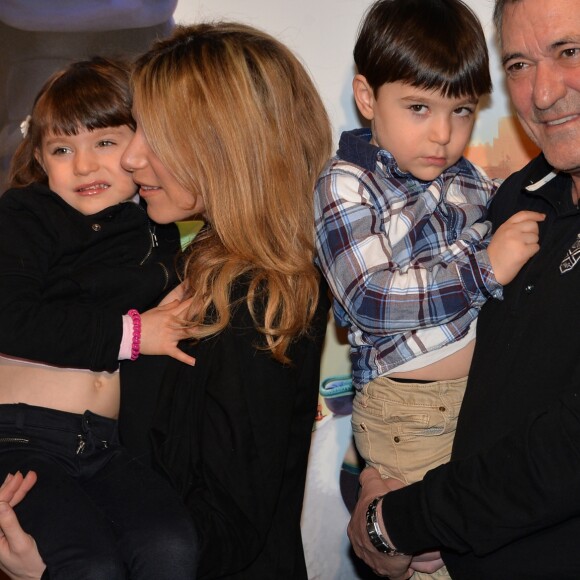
79	259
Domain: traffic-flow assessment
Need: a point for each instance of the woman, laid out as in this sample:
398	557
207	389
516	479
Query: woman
230	126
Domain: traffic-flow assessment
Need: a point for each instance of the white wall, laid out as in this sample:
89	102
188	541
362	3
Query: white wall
322	33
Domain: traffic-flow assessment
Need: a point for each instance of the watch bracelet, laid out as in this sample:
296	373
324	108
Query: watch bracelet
374	531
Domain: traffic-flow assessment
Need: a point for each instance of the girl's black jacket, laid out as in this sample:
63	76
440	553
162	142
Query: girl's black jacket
66	278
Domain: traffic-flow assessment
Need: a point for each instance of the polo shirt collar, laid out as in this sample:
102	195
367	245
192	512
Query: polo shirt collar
552	186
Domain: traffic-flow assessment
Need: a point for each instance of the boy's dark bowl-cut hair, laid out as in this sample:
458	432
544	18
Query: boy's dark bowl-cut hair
430	44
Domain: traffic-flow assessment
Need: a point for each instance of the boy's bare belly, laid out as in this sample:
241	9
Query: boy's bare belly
455	366
71	390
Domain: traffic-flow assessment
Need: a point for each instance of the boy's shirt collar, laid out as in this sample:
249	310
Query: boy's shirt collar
355	147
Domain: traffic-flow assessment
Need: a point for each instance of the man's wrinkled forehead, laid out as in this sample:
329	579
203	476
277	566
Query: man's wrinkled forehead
498	13
551	24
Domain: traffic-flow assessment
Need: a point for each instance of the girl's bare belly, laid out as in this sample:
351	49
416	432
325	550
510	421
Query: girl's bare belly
455	366
71	390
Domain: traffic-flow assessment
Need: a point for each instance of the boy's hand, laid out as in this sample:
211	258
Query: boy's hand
513	244
161	330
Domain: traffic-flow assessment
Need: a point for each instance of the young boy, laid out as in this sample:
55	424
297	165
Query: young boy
401	231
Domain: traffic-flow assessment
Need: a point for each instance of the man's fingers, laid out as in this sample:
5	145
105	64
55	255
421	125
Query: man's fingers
393	484
371	477
368	475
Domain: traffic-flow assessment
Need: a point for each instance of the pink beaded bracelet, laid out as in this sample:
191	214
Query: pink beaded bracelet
136	342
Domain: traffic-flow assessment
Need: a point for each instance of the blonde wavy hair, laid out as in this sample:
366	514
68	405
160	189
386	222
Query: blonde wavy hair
235	117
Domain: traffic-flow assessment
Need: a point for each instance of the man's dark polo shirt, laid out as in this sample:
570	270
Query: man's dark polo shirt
526	364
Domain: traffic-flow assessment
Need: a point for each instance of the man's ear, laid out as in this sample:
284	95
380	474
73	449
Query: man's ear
364	97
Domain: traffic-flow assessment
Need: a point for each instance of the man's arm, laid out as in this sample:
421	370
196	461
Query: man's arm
395	567
466	505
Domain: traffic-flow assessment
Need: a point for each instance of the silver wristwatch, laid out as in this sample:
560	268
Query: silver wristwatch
374	531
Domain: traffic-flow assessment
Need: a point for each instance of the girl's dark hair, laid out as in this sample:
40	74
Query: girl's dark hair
429	44
90	94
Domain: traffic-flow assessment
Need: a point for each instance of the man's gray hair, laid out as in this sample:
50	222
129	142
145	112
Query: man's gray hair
498	13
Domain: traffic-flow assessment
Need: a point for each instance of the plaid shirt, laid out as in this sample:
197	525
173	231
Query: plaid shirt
406	260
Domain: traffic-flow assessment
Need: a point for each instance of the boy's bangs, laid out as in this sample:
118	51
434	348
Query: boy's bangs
469	81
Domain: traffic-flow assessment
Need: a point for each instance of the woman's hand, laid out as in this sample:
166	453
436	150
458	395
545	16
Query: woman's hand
19	556
15	487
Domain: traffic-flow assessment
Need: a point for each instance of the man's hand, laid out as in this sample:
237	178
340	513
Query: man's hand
427	562
373	485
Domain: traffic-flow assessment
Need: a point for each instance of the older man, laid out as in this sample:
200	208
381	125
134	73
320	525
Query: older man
508	507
